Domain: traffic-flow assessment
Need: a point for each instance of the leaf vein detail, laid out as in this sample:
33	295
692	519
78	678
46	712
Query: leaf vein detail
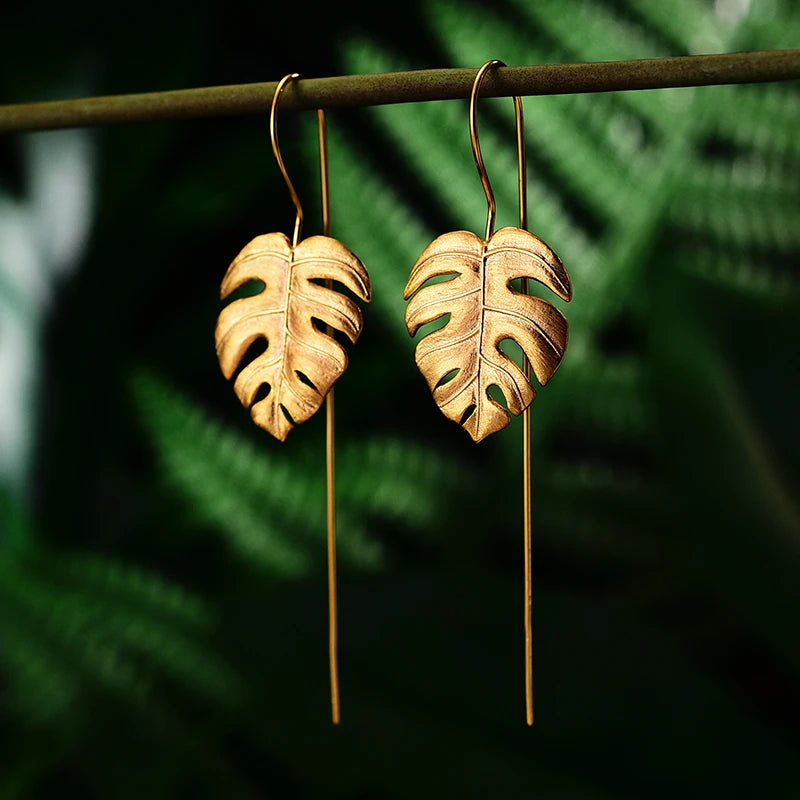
307	346
448	254
261	254
453	342
449	299
530	320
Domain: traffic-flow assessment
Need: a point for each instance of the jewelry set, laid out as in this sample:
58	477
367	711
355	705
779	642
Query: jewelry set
459	274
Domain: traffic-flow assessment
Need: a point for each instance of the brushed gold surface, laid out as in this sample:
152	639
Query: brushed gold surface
484	310
301	362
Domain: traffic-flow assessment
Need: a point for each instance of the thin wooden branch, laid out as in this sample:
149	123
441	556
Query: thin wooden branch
405	87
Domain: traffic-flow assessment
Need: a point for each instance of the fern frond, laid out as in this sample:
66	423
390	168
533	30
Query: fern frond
593	535
398	480
66	628
268	507
773	177
753	275
62	624
584	32
131	586
744	219
614	171
596	31
690	26
585	171
619	405
40	684
449	173
585	477
253	498
760	119
773	25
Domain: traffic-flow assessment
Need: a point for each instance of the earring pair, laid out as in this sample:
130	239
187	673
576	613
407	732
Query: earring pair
299	309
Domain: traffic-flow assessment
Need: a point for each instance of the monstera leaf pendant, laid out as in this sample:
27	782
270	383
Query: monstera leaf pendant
463	359
294	313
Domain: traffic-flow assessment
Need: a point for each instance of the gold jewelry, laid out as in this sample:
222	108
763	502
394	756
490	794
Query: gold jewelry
462	359
302	360
296	313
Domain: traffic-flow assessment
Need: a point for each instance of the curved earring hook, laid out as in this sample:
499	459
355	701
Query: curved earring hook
476	152
273	135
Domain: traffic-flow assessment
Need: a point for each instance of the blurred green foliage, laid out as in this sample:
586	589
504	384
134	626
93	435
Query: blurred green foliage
162	590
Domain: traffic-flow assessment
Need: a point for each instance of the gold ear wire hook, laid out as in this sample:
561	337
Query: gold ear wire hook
476	151
273	135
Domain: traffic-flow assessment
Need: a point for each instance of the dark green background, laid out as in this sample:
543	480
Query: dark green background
162	589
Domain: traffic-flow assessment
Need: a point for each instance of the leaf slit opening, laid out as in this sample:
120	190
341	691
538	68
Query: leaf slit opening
262	392
257	348
335	286
329	330
445	278
433	325
468	412
496	393
510	347
248	289
303	378
446	378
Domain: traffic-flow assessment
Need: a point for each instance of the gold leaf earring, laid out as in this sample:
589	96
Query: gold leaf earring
463	359
296	313
302	361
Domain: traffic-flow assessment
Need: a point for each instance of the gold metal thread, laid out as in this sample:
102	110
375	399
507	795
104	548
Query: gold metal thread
332	615
330	454
527	503
273	135
526	510
526	414
323	171
522	172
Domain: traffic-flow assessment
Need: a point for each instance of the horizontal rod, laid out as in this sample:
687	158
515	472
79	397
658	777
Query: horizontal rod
406	87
